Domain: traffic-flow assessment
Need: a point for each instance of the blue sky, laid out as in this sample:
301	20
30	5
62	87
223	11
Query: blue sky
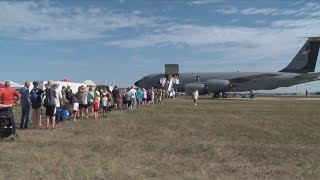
117	42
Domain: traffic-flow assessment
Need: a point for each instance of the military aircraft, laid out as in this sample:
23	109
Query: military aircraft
300	70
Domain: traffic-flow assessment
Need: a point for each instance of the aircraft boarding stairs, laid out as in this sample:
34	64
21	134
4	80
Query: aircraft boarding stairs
171	78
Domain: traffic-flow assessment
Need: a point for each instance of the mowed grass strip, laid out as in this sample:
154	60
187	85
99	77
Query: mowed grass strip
227	139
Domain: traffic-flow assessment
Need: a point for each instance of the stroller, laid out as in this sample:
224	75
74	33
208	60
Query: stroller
7	126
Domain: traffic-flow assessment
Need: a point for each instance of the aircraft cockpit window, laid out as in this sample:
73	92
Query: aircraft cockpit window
145	78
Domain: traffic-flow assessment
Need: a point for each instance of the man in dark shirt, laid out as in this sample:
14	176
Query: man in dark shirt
115	95
25	105
69	95
51	104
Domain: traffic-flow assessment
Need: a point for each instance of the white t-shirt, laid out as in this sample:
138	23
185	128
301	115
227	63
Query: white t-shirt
58	98
76	106
144	94
195	94
133	92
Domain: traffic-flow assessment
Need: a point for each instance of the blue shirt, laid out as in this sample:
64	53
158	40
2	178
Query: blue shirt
90	97
25	96
139	94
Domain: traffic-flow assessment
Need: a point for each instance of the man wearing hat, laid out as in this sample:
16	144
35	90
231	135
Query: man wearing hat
50	104
69	95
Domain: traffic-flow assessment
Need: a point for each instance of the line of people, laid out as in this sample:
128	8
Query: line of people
81	103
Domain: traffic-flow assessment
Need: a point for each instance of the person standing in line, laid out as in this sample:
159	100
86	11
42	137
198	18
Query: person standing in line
25	105
96	108
83	102
75	110
120	100
36	96
64	97
195	96
128	97
91	100
50	105
58	102
124	101
144	97
134	97
69	95
9	97
104	104
139	98
115	96
152	96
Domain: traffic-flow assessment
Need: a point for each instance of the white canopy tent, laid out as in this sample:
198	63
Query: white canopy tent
13	85
89	83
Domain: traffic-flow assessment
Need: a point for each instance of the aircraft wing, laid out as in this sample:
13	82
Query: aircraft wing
244	79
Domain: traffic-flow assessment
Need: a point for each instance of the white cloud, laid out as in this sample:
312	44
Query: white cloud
229	10
48	21
307	9
298	23
264	11
262	22
200	2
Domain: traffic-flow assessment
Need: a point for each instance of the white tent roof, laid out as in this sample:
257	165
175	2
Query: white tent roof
89	83
13	84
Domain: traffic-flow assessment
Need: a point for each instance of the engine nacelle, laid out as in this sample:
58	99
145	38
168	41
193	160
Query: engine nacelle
201	87
218	85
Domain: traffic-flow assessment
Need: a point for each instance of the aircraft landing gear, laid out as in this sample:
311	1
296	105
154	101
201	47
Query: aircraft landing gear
224	95
216	95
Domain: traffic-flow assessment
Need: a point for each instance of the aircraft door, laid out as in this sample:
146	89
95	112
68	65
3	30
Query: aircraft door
198	79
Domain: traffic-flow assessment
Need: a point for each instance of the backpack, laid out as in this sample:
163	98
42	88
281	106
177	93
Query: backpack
69	94
35	99
33	96
47	101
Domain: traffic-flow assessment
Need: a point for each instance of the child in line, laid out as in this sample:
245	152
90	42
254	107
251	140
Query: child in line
96	108
75	110
104	104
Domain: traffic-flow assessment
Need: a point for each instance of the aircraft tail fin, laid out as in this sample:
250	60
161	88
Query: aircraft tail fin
306	59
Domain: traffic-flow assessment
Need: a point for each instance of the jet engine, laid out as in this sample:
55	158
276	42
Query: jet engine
218	85
201	87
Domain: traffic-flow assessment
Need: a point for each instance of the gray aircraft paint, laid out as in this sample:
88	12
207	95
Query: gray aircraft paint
298	71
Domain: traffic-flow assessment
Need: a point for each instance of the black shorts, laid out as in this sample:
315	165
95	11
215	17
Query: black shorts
144	99
90	104
51	111
129	103
104	108
83	106
124	102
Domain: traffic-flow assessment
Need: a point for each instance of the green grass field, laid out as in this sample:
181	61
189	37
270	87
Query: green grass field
225	139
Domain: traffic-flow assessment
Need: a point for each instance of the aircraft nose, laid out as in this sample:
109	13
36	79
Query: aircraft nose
137	83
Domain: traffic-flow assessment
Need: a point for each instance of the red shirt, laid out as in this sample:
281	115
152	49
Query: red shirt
7	96
96	106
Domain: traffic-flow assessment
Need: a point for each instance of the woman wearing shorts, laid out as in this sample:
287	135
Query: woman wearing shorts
83	102
91	100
